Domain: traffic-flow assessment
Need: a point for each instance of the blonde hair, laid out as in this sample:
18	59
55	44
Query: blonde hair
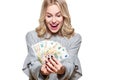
66	30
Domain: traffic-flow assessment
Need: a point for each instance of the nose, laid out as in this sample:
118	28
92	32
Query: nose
53	20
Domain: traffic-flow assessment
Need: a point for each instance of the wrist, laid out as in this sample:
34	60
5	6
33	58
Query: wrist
43	74
62	70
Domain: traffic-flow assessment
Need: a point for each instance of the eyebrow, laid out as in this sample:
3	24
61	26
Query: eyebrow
51	13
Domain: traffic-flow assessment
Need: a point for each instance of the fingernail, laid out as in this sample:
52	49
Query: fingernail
52	56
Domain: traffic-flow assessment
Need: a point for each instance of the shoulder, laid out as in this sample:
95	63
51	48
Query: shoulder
74	41
76	37
31	37
31	33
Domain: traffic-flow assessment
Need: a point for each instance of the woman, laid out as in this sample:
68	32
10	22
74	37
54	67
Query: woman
55	25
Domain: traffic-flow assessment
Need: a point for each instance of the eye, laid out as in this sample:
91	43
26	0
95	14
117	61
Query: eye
49	16
59	15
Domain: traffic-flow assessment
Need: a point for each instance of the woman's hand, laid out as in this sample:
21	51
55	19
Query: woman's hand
55	65
45	70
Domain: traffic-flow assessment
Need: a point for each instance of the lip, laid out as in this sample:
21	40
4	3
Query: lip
54	27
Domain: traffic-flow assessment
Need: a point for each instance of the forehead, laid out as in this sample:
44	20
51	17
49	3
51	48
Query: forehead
53	9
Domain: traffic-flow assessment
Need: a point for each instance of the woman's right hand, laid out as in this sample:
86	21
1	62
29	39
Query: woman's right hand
45	70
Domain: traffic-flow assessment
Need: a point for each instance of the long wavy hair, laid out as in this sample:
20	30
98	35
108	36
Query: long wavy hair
66	29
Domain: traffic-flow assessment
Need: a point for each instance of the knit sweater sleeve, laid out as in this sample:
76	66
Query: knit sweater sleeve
32	65
72	64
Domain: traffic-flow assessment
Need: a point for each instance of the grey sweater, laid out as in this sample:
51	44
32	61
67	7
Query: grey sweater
32	65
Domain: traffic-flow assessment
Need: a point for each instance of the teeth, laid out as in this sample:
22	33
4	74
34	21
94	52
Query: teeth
53	25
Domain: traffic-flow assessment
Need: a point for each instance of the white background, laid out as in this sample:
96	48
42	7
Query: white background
97	21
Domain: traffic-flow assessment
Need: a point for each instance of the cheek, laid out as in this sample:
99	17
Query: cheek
60	24
61	20
47	23
47	20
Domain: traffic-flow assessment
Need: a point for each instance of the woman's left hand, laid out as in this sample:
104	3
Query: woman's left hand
56	65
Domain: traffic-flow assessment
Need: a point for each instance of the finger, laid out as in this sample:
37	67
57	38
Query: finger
54	59
58	65
49	70
44	70
51	66
46	60
53	63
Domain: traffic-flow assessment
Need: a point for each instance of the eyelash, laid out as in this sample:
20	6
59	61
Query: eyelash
51	16
48	16
58	15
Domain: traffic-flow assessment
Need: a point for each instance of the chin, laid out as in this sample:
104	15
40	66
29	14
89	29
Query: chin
54	32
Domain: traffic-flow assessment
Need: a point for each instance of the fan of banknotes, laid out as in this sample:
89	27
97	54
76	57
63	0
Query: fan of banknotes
47	48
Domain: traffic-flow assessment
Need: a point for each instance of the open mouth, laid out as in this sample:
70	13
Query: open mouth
54	27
